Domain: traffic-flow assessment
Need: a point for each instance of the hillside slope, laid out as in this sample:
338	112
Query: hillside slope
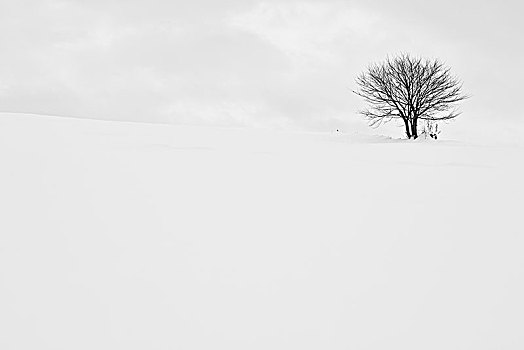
136	236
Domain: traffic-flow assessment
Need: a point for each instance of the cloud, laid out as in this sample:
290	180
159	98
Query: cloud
247	62
307	29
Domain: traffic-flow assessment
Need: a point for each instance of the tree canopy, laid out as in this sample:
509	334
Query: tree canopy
411	89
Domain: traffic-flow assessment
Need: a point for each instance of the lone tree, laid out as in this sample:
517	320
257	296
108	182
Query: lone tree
409	88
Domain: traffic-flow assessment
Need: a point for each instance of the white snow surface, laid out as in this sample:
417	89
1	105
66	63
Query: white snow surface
138	236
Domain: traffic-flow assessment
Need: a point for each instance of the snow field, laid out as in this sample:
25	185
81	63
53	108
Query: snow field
135	236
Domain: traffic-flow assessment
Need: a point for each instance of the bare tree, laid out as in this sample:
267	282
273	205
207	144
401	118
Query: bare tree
409	88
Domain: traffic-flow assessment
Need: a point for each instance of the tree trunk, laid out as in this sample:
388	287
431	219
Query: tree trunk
408	133
414	131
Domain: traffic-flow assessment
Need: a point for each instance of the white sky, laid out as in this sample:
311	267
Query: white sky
245	62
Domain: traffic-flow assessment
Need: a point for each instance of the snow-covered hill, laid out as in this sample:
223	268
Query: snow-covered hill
137	236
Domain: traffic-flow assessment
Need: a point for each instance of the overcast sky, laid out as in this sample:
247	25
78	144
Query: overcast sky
245	62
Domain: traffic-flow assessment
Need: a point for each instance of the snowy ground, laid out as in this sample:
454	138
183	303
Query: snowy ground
136	236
